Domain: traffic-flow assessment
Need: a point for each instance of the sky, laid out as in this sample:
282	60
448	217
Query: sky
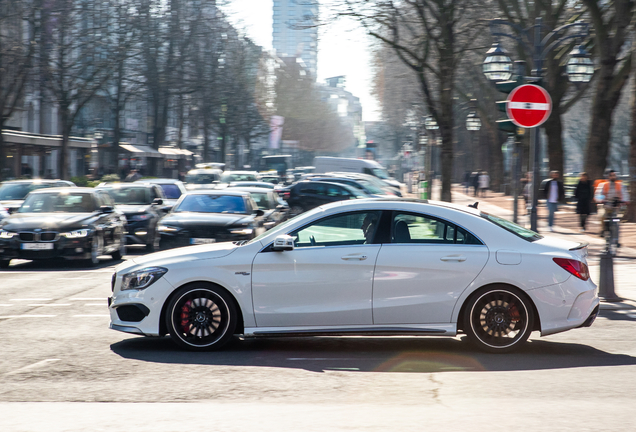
343	48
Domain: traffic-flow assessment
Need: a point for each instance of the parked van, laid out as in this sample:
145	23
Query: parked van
326	164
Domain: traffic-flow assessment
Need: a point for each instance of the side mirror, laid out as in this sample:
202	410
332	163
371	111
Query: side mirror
105	209
157	201
259	212
283	243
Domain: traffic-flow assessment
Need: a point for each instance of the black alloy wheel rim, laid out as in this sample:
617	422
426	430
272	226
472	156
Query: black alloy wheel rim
499	319
200	318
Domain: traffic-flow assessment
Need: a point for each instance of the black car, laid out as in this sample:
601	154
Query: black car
306	195
12	193
274	208
142	203
359	184
172	190
211	216
71	223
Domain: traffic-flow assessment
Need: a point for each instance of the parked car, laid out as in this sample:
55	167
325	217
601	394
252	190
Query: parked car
12	193
274	208
71	223
204	217
388	189
204	178
359	184
258	184
306	195
172	190
142	205
364	267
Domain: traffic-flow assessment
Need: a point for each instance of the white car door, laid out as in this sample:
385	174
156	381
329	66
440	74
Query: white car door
326	280
420	275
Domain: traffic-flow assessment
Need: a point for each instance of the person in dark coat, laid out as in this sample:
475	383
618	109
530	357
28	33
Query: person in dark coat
554	193
584	194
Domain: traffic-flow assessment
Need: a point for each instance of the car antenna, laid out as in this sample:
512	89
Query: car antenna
474	205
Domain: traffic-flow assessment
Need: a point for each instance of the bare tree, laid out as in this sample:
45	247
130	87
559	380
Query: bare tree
19	26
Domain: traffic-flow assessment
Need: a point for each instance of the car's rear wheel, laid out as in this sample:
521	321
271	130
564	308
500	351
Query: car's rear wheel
201	317
498	319
96	250
121	251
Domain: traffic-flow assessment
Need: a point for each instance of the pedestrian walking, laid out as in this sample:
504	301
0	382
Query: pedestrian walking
484	183
554	193
466	182
584	195
474	181
610	193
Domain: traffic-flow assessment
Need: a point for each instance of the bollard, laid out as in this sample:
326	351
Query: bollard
423	190
606	282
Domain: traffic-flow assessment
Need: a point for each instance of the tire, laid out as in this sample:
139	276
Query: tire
295	211
153	246
96	250
201	317
4	264
498	319
122	249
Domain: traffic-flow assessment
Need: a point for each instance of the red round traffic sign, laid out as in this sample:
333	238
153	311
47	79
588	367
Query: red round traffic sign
529	105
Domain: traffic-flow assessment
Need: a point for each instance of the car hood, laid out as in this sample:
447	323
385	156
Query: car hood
178	255
132	208
46	221
187	219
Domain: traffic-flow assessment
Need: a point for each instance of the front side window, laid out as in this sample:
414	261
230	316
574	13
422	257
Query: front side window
341	230
171	191
413	228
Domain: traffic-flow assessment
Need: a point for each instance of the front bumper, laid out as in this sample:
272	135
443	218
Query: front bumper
79	248
138	232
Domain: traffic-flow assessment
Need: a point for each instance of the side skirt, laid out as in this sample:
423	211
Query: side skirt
446	329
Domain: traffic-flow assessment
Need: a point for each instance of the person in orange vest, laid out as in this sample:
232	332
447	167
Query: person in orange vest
610	194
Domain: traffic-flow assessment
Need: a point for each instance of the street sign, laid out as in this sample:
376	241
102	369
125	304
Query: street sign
529	106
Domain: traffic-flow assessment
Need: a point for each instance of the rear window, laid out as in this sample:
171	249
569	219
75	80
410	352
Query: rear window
512	227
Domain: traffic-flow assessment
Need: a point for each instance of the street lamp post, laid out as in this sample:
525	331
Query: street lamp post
473	124
498	67
431	125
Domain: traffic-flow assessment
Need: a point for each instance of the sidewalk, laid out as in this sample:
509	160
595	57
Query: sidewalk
567	228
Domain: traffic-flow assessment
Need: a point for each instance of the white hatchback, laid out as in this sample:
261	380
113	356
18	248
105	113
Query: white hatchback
363	267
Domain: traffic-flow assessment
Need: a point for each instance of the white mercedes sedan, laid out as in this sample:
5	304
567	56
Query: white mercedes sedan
363	267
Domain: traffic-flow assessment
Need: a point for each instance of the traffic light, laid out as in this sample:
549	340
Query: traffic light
506	125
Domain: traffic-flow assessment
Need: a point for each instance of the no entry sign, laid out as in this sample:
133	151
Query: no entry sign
529	106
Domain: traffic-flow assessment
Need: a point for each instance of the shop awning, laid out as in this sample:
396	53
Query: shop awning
174	153
141	150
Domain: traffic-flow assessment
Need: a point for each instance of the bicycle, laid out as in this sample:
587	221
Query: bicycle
611	226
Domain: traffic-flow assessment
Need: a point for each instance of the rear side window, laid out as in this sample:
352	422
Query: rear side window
512	227
417	228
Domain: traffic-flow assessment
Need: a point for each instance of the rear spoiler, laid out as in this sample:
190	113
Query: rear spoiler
580	246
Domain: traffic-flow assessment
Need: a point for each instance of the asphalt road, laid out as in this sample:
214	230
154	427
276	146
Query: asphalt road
62	369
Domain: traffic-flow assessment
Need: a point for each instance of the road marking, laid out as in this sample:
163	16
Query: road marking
33	366
5	305
88	299
91	316
49	304
32	299
96	304
26	316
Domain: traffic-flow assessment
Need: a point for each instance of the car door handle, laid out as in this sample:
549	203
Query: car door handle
458	258
354	257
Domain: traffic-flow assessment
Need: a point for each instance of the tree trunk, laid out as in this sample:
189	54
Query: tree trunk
630	214
3	157
554	129
62	165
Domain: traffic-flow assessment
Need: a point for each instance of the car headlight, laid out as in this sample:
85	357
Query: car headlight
7	234
166	229
242	231
142	279
75	234
139	217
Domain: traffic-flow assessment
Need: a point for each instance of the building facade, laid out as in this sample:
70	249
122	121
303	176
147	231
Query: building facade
294	31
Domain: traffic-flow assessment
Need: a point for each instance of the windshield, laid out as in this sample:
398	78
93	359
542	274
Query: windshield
370	188
200	203
512	227
59	202
130	195
228	178
17	191
261	200
201	178
380	173
171	191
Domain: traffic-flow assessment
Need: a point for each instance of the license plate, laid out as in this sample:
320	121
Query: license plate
199	241
37	246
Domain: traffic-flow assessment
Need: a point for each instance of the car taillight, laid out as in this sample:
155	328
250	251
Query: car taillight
577	268
286	195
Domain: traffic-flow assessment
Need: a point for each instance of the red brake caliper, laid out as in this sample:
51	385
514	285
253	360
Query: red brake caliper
185	316
513	311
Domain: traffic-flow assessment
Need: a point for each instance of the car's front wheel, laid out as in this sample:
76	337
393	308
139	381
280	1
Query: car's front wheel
201	317
498	319
121	251
153	244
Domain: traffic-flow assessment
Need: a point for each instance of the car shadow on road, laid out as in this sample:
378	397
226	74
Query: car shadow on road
373	354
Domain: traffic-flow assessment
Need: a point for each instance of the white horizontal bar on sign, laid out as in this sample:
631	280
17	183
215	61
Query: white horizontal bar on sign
529	106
